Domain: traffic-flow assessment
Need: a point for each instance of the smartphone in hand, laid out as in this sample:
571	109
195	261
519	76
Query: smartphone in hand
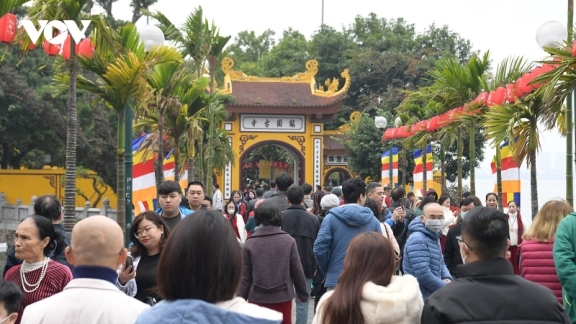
129	263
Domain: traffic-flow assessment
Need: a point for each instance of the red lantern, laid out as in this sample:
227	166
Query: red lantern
452	117
510	93
85	48
275	164
432	124
66	48
30	47
387	134
574	49
499	95
51	49
8	24
547	68
403	132
481	98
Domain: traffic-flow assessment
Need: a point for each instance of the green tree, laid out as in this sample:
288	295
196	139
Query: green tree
288	56
364	148
248	50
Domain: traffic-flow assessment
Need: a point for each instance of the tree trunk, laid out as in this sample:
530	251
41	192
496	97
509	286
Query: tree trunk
120	175
159	162
499	176
442	169
460	147
424	170
472	160
210	151
71	143
533	183
191	176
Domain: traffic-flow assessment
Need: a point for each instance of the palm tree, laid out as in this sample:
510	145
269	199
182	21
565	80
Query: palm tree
121	84
69	10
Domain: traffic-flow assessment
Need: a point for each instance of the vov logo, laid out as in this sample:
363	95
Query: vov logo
64	26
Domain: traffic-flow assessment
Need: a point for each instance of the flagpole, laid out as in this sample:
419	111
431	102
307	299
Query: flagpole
391	166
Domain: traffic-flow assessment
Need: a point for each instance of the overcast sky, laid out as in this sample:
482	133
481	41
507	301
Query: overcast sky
505	27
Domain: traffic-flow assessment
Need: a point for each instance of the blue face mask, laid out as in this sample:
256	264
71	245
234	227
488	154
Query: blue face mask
463	214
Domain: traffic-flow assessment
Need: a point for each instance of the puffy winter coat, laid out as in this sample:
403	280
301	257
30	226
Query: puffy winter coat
338	228
537	265
564	256
423	258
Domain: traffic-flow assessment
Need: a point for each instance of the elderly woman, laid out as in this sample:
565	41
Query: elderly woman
198	276
272	267
148	234
38	276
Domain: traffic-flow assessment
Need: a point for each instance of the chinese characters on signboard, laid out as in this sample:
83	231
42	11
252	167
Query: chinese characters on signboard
336	160
273	123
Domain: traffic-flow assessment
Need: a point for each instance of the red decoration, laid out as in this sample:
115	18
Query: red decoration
51	49
8	24
258	164
499	95
66	48
482	98
403	132
547	68
85	48
510	93
574	49
433	124
30	47
275	164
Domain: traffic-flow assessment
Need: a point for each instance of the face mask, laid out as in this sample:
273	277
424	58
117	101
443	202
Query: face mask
463	214
434	225
231	211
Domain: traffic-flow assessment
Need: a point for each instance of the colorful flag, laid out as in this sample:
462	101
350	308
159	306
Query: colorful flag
510	175
418	174
144	180
386	167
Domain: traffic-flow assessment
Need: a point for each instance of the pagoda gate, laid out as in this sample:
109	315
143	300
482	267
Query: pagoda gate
288	112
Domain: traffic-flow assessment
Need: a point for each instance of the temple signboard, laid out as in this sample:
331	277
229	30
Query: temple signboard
273	123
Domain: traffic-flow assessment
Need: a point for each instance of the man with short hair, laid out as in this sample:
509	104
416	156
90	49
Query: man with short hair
252	203
340	226
422	253
97	250
48	206
451	252
487	291
414	201
308	202
272	190
217	198
280	198
195	195
303	227
169	197
399	217
10	298
207	203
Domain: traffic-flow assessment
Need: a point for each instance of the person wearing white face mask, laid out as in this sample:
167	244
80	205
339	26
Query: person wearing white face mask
451	253
422	254
487	290
516	232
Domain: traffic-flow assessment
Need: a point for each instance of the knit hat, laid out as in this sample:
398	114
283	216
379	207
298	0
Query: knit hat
329	201
337	191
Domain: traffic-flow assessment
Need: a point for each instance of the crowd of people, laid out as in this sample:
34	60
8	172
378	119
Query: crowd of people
365	253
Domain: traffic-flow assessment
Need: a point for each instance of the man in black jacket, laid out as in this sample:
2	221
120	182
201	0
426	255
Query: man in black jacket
283	182
451	252
487	290
399	221
303	227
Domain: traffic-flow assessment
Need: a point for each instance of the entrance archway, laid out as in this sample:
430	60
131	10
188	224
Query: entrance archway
335	176
299	167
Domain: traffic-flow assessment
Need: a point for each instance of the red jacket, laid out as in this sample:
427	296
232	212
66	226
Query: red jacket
537	265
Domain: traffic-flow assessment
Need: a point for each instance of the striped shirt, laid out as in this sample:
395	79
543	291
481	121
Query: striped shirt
56	278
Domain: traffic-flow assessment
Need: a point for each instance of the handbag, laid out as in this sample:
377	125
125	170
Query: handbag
398	258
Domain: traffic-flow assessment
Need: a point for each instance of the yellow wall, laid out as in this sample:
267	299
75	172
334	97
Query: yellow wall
24	184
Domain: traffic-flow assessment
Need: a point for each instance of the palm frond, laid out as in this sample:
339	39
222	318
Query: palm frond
7	6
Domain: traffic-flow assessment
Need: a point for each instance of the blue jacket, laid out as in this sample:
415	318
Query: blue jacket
192	311
183	211
423	258
338	228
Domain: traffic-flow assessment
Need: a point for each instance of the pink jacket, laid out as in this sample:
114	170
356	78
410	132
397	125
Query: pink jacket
537	265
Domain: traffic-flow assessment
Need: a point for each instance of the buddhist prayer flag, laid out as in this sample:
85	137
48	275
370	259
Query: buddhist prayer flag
386	167
418	174
144	181
510	175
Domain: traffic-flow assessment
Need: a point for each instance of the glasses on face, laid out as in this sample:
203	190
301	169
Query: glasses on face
144	231
460	240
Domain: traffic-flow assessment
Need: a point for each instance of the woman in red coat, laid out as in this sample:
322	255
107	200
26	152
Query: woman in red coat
516	232
537	263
